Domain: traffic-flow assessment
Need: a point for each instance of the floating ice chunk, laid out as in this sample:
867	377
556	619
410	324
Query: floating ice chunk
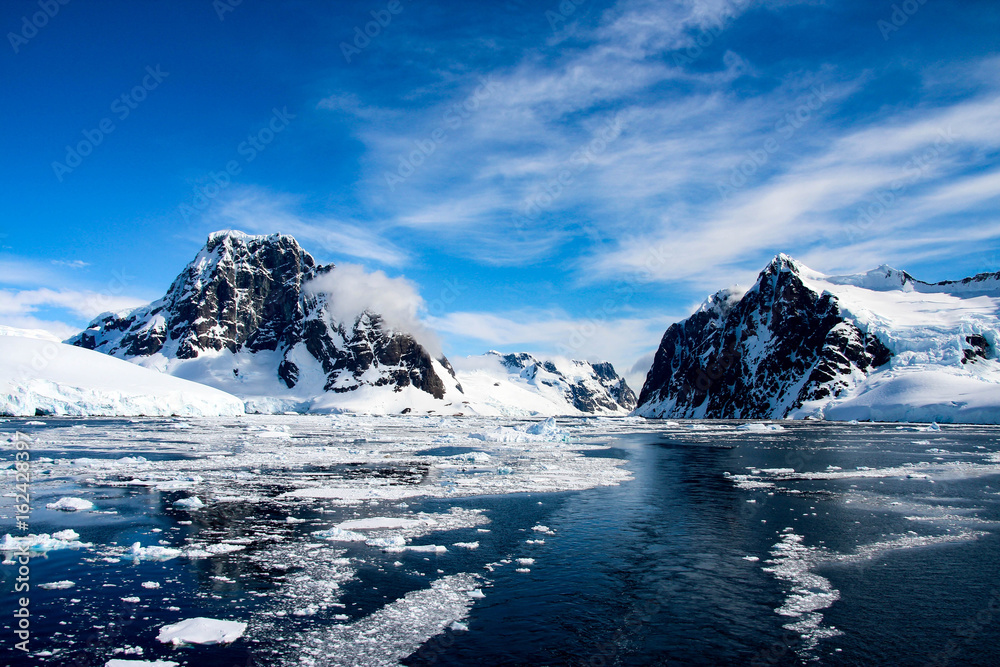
201	630
525	561
458	626
292	519
395	631
547	428
57	585
471	457
191	503
357	493
140	552
68	534
379	522
752	559
427	548
543	529
466	545
174	485
477	594
150	584
42	542
70	504
117	662
208	550
337	534
393	542
759	427
132	599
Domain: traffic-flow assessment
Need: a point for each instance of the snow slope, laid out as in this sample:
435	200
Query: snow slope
927	328
521	385
42	376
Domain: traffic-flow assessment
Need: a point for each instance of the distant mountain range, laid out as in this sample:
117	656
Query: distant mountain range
876	346
241	317
255	319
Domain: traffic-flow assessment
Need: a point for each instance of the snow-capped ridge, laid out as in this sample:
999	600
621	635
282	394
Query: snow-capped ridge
800	343
521	384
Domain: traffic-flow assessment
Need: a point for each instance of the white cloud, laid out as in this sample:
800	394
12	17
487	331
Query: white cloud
21	308
906	171
351	291
72	264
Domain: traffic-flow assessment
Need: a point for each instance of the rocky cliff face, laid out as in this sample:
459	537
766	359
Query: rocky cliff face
587	387
242	307
760	354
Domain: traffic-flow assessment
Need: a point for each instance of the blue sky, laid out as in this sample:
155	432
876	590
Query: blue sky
555	177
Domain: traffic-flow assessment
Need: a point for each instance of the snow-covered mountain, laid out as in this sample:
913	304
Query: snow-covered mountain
241	317
249	316
521	384
41	376
880	345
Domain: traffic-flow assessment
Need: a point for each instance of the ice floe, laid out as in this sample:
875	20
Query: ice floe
70	504
41	543
201	630
395	631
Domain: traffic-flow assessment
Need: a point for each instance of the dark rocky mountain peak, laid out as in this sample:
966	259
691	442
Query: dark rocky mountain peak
759	354
246	295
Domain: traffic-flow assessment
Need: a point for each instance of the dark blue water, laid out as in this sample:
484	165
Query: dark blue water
656	571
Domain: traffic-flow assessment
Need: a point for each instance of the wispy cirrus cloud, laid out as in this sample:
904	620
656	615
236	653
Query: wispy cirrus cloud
886	186
258	210
524	174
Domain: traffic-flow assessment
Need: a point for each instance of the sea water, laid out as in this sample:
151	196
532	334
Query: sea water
343	540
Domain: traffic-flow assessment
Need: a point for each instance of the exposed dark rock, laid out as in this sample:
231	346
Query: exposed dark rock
979	348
